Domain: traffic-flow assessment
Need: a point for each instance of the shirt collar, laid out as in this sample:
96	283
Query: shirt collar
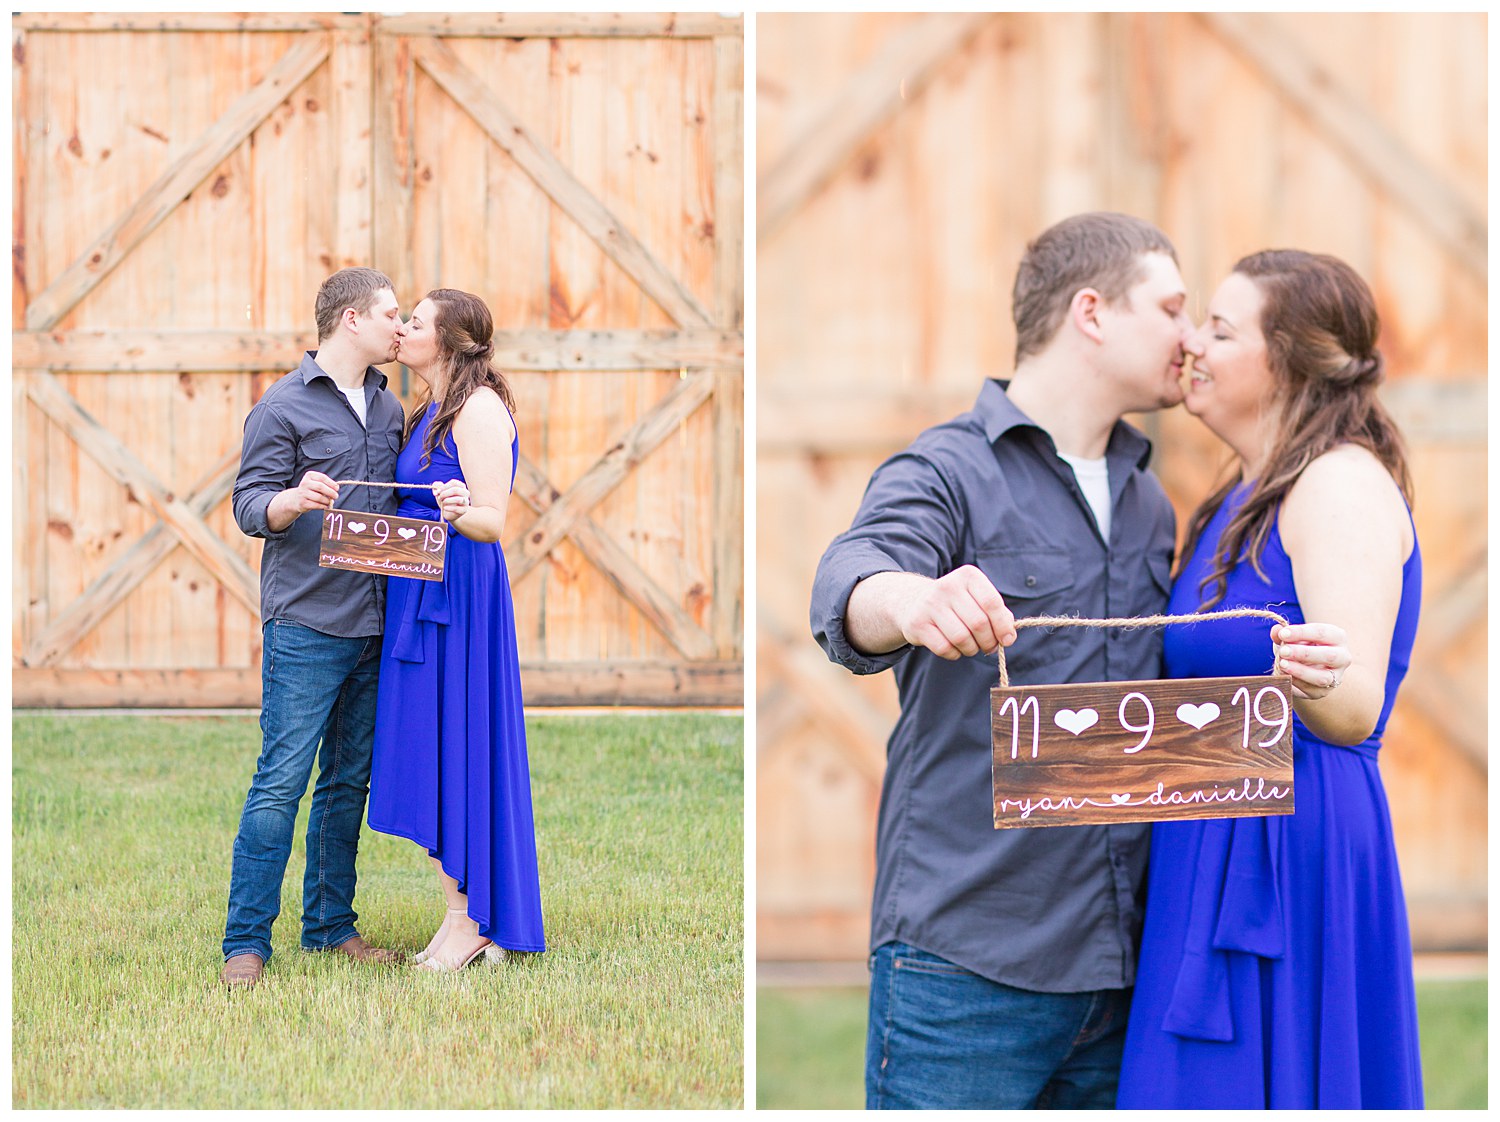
309	369
1000	415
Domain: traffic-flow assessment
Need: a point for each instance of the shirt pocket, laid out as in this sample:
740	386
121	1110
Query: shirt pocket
1033	582
326	451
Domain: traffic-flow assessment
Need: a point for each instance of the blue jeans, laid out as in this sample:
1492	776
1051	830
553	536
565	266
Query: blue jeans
315	688
944	1038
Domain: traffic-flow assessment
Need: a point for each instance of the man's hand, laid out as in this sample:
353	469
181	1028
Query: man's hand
955	615
316	492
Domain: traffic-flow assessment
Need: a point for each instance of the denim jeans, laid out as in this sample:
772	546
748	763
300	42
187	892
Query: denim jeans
315	688
944	1038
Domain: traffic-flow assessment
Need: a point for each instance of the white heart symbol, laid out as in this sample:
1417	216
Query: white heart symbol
1076	722
1119	799
1198	715
407	533
357	527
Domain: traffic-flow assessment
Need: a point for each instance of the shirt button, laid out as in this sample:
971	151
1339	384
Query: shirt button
1031	582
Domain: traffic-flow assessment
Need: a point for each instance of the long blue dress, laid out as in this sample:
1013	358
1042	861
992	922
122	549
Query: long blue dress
449	770
1275	967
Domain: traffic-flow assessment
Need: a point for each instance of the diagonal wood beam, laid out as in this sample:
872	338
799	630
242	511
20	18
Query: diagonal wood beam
1453	711
132	567
560	185
1429	198
904	66
524	552
176	183
1445	619
227	567
853	730
619	568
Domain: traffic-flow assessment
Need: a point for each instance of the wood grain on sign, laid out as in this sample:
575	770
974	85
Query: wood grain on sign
1141	751
383	543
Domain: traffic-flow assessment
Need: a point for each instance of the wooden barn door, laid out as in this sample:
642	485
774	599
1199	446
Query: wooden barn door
585	172
182	185
904	162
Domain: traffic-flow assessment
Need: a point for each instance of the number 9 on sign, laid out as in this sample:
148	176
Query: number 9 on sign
1147	729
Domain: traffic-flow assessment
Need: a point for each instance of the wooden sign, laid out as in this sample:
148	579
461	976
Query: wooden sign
1141	751
383	543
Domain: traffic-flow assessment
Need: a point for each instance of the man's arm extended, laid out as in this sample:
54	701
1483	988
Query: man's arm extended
266	503
894	580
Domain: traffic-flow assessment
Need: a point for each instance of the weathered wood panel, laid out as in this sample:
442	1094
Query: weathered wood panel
183	183
884	300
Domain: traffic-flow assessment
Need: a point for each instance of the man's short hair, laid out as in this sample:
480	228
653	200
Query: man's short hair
348	288
1099	250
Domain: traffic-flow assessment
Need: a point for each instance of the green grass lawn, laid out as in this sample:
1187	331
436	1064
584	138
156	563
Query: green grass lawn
810	1046
122	829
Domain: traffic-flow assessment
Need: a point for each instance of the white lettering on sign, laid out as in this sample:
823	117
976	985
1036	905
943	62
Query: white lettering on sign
1280	722
1262	791
1036	723
434	534
1148	728
1198	716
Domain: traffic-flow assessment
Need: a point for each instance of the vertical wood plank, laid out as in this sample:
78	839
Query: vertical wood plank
1071	57
642	138
728	581
62	500
391	221
23	530
1135	120
20	153
351	75
585	408
517	221
729	181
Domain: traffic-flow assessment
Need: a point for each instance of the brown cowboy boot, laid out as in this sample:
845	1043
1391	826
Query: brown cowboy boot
360	951
242	970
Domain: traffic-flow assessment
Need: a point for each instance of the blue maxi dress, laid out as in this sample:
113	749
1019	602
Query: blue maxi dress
449	769
1275	967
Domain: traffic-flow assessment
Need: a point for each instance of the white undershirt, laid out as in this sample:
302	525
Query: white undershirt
356	398
1093	479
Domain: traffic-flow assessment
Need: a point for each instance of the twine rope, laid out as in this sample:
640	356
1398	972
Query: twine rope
373	483
1135	623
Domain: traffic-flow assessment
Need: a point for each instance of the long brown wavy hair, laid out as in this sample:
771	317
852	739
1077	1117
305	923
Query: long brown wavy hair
1320	327
464	330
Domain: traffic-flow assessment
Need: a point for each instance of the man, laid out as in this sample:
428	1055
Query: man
1002	960
332	418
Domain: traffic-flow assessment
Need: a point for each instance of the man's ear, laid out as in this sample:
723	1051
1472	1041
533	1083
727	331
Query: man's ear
350	319
1083	311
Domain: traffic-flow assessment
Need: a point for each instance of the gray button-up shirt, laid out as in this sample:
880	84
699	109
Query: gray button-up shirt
1054	909
304	423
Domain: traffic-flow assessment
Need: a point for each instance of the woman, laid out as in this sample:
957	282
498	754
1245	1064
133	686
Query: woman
1275	966
449	769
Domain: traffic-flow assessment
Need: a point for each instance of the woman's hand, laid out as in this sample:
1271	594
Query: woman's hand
1314	655
452	498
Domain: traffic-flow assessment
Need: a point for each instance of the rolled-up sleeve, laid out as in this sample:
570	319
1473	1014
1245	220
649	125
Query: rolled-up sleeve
268	462
908	522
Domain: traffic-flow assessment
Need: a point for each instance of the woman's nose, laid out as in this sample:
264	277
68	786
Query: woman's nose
1192	340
